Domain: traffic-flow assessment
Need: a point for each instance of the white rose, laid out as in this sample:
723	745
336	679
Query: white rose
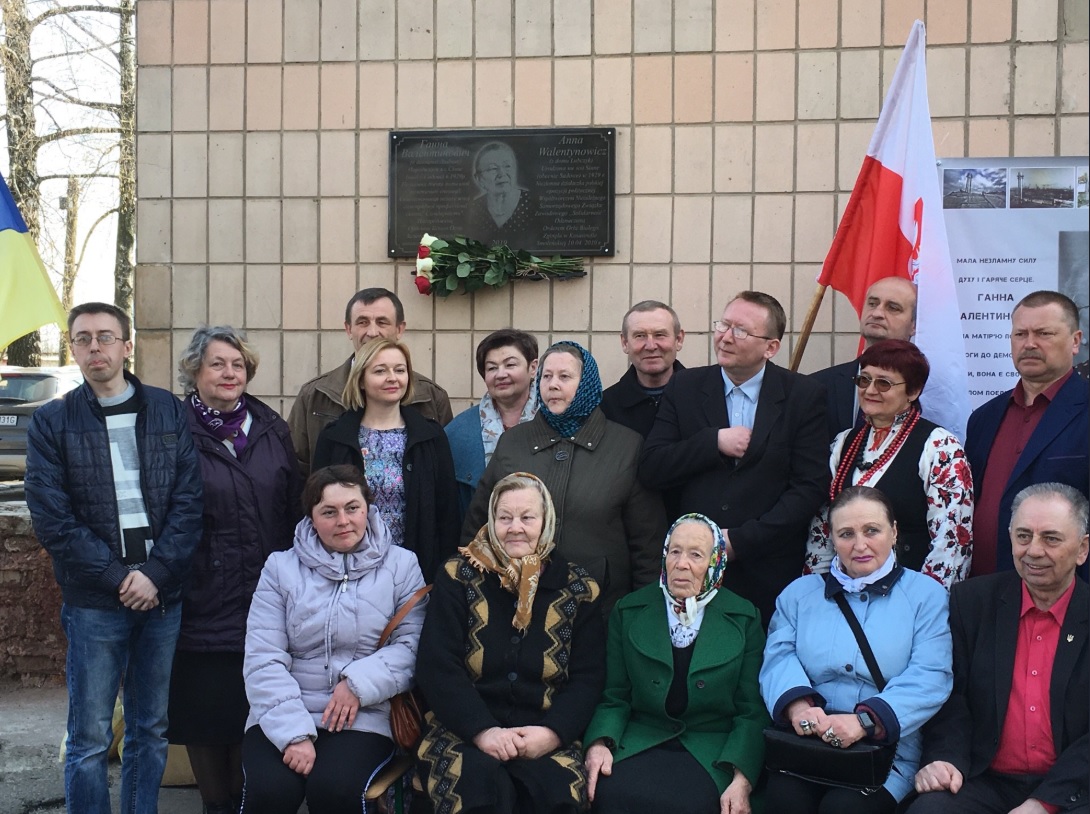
424	265
427	239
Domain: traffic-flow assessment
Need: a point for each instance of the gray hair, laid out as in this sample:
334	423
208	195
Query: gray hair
189	363
1076	501
647	306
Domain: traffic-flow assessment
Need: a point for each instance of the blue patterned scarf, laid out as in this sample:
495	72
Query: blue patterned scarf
587	397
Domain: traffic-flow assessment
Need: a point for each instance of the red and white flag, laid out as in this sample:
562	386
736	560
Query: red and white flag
894	226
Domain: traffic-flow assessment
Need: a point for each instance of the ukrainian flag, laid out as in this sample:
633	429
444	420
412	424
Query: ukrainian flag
27	297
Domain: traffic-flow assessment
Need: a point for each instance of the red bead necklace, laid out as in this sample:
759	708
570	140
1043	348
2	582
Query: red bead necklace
851	460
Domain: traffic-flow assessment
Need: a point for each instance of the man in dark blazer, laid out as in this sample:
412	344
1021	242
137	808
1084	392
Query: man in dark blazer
1036	433
889	312
1013	736
744	443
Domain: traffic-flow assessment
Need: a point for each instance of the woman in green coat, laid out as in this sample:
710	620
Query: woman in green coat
679	727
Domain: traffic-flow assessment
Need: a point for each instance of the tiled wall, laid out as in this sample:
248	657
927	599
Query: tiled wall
262	153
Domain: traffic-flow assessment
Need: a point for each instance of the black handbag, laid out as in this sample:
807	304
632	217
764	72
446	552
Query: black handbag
862	766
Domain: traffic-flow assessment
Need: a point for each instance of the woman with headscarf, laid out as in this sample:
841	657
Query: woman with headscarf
510	693
607	521
679	727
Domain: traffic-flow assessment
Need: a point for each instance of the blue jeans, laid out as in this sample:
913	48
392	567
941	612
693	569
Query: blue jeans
103	646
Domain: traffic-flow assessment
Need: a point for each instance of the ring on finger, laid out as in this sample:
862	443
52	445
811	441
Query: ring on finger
805	726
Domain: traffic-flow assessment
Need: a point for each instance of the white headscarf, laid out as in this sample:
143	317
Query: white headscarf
685	615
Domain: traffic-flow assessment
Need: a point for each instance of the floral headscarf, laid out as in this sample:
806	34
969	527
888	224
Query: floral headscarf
685	615
486	553
587	397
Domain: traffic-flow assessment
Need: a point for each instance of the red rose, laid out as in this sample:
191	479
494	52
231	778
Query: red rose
423	252
422	284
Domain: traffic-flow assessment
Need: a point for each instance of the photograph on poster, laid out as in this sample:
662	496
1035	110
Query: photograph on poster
984	188
1073	279
1042	187
1082	200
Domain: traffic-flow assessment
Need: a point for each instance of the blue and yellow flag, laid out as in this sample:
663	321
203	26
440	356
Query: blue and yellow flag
27	297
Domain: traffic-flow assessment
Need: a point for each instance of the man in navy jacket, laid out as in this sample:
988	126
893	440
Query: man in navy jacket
114	490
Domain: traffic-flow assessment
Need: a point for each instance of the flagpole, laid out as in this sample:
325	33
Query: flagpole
807	326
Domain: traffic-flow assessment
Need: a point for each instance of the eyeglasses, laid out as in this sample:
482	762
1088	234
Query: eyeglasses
739	333
83	340
863	381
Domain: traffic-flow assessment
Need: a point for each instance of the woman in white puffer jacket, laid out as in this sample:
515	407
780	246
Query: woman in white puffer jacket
317	682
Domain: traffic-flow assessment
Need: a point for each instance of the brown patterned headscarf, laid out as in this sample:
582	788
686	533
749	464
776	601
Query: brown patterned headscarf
519	576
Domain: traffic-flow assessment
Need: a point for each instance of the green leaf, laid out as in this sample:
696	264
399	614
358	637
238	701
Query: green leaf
463	270
464	258
474	283
493	276
439	244
461	241
452	283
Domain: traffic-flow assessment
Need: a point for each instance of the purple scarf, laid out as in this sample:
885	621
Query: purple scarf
224	425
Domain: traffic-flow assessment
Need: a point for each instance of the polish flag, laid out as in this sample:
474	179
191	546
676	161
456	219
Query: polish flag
894	226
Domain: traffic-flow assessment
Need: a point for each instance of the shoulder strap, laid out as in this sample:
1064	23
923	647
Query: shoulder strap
401	614
861	639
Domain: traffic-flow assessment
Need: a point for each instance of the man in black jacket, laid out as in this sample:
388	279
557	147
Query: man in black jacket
114	490
1013	736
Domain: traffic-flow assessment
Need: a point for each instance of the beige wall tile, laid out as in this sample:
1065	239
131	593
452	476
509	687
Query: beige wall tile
263	286
946	81
453	355
693	88
991	21
773	167
861	23
151	292
651	227
338	104
651	283
772	228
693	165
153	99
299	304
612	26
732	232
1074	81
374	152
190	296
572	92
267	344
453	28
818	24
949	137
727	281
775	86
989	86
301	230
492	92
606	348
692	25
225	230
189	231
377	94
154	220
1035	79
377	32
733	87
372	229
1035	136
154	359
692	229
817	85
859	85
414	29
571	27
225	164
333	346
531	306
854	140
264	32
623	145
190	165
533	28
815	225
815	162
227	304
533	92
735	25
189	97
492	23
613	90
1036	21
154	35
226	97
302	30
263	231
338	30
300	360
300	97
153	166
775	25
190	32
299	167
652	26
622	231
452	313
492	309
989	137
414	104
337	285
571	308
651	96
227	25
262	164
689	289
1074	136
899	18
733	158
947	22
610	297
263	94
338	231
454	94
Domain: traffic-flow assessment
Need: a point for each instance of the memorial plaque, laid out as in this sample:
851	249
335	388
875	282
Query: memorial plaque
549	192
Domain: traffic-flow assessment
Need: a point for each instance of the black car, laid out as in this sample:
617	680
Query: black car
22	391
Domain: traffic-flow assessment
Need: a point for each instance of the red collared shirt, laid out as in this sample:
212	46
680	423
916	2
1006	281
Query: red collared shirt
1015	430
1026	745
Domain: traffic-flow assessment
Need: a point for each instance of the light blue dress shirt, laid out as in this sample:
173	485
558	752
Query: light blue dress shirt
742	399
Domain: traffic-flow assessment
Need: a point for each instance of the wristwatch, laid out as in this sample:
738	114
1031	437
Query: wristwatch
866	720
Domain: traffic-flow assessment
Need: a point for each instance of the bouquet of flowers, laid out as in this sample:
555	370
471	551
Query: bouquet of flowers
442	267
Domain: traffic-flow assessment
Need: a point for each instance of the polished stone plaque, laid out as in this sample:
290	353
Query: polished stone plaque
549	192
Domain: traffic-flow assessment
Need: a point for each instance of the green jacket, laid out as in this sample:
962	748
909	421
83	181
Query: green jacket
722	725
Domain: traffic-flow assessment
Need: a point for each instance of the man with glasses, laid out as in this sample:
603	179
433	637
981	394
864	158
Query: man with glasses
743	442
889	312
113	484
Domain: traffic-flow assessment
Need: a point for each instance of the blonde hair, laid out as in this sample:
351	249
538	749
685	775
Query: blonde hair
353	396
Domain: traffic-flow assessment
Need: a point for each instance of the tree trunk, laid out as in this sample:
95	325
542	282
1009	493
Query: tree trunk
68	279
126	171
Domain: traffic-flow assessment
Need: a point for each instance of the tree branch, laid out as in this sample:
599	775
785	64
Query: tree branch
87	237
56	10
67	97
76	131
